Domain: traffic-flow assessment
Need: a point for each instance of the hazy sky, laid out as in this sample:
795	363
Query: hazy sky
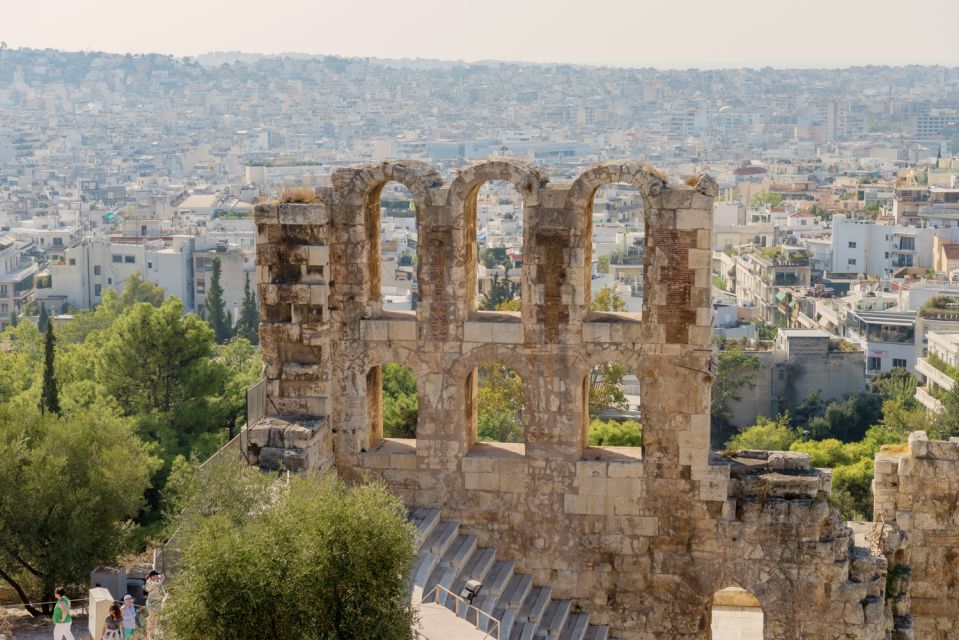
664	33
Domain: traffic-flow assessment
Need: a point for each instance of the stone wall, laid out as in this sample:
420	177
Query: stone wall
916	491
642	538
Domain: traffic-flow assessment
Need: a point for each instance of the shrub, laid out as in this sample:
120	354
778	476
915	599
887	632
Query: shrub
628	433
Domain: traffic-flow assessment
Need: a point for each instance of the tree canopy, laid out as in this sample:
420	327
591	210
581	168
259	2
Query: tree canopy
311	560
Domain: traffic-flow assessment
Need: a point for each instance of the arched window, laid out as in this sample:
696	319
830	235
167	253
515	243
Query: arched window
617	249
393	403
392	237
498	207
611	395
495	405
735	615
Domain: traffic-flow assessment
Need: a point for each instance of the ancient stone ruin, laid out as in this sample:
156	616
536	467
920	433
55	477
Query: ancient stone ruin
639	539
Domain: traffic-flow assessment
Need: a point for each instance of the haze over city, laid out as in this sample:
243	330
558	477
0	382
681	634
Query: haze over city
425	320
670	35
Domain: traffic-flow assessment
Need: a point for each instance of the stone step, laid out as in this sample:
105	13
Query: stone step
597	632
507	618
554	619
424	520
441	538
476	568
459	552
516	591
496	580
535	605
576	627
442	576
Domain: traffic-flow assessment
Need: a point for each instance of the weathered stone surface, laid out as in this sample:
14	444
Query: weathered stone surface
641	537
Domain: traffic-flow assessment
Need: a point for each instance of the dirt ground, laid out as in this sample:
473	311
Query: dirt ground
19	625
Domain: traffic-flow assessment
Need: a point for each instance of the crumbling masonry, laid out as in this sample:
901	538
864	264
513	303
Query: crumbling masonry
639	539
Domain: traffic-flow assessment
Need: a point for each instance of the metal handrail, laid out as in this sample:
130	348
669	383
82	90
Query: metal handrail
469	607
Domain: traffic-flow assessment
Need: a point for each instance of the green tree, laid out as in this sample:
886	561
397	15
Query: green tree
216	306
50	397
249	324
159	365
500	292
602	264
607	299
500	404
68	489
315	560
400	404
14	319
628	433
136	289
736	370
765	435
605	387
43	319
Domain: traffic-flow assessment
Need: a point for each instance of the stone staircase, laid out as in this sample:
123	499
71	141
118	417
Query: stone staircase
448	558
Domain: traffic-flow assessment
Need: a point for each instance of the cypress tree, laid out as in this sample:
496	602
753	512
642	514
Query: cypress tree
13	318
249	325
50	398
44	319
216	306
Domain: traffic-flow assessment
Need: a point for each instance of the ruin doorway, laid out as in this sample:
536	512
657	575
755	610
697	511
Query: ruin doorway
735	614
393	403
393	240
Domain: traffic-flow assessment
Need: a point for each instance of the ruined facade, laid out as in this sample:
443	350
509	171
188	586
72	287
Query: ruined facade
641	539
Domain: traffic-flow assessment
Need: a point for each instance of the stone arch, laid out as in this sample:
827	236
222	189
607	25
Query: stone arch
582	368
367	373
579	198
359	190
526	178
464	374
735	613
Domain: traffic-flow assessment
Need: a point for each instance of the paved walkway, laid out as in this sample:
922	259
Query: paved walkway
436	622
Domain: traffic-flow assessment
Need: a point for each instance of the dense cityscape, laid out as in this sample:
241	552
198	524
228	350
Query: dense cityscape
833	333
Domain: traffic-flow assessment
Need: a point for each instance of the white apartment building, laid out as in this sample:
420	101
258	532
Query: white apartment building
887	337
17	277
99	263
235	264
863	246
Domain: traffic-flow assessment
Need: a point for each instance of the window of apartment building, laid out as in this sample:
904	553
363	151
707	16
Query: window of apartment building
149	265
58	242
73	262
907	243
96	290
201	286
3	291
4	310
117	259
887	254
109	280
873	363
852	245
899	362
851	261
96	269
130	259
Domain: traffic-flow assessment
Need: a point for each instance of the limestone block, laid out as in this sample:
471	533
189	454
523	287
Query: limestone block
481	481
596	332
919	444
477	332
788	460
402	330
375	330
298	213
506	333
266	214
677	198
693	219
319	255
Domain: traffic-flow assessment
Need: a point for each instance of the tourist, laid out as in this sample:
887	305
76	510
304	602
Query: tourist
155	594
113	626
129	616
61	616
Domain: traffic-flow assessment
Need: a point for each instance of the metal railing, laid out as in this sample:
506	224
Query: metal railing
492	627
